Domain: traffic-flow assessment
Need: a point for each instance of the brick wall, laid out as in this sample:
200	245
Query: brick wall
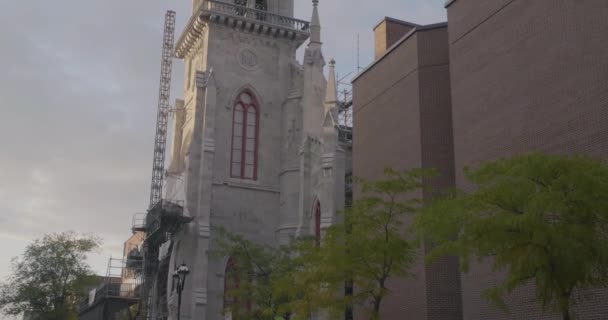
442	277
527	76
387	33
386	115
402	119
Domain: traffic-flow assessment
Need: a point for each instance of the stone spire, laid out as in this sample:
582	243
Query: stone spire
315	24
331	94
315	83
331	97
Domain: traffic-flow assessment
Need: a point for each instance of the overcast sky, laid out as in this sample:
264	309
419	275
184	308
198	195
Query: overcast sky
78	96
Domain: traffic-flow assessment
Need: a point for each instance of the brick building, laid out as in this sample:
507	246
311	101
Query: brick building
523	76
402	116
527	75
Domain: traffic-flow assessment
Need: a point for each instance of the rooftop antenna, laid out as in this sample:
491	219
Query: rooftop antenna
358	55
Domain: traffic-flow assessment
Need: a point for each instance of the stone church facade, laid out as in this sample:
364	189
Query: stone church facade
256	146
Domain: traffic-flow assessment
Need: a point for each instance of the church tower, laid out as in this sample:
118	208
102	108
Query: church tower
248	149
228	136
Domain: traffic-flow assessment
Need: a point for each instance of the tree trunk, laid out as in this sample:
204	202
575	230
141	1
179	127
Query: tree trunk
376	314
566	305
566	313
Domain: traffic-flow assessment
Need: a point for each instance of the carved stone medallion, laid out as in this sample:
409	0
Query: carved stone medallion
248	59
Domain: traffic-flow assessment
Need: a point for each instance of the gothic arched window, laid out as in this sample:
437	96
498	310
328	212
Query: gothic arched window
242	3
317	217
245	121
261	5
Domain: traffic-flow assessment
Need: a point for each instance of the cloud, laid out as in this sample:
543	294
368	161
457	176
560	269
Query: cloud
78	96
78	105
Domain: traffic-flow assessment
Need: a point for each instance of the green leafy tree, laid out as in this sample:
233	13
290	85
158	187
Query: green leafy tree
256	273
367	249
300	284
543	219
49	278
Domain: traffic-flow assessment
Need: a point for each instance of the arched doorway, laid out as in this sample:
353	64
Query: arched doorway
233	306
231	283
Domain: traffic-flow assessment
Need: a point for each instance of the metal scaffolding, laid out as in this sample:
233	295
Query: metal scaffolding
163	220
345	109
118	292
160	142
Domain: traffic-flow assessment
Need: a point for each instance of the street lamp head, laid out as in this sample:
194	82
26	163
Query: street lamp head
179	275
183	270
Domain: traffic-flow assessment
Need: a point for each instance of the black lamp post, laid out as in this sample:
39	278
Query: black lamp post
179	277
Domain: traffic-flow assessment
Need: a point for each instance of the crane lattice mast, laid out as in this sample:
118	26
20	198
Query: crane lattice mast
160	142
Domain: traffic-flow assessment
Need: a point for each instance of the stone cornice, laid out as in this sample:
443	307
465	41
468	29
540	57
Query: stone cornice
247	19
189	37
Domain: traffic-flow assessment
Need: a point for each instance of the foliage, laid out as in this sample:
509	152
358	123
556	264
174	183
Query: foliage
541	218
366	249
301	285
49	278
129	313
257	270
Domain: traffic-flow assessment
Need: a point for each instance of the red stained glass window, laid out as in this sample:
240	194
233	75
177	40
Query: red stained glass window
245	120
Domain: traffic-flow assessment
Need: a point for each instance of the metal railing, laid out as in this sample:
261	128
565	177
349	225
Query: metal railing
110	290
235	10
169	206
139	222
345	134
210	10
122	290
158	211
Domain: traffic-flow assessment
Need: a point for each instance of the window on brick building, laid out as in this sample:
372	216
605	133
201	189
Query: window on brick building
245	122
